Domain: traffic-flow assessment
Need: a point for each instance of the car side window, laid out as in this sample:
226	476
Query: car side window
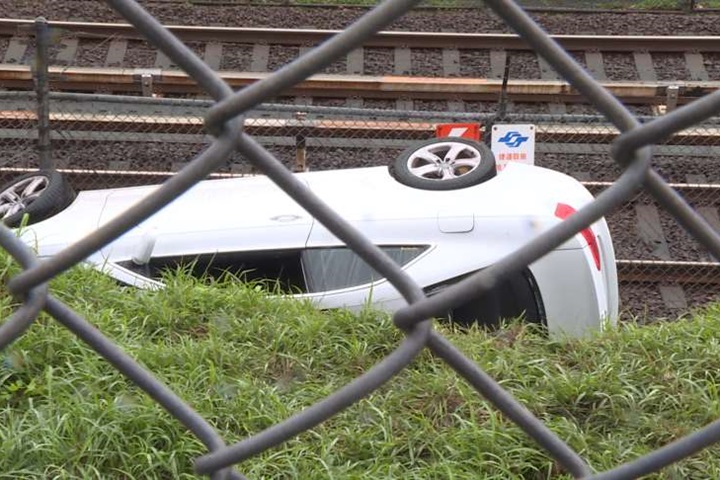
336	268
282	266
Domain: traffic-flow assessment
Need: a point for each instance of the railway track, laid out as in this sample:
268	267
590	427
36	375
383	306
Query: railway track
402	66
172	82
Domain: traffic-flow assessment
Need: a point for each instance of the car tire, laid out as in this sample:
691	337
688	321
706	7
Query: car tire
40	195
447	163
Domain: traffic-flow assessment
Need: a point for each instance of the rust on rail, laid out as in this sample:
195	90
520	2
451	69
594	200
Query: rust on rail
167	81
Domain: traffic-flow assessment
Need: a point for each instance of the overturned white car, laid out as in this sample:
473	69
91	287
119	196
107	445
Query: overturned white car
441	211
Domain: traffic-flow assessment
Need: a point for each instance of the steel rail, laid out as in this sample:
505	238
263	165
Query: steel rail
168	81
309	37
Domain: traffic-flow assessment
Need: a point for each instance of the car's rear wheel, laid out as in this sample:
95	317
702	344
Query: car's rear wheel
39	194
445	164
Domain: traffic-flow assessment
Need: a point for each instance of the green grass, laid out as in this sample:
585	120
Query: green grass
246	362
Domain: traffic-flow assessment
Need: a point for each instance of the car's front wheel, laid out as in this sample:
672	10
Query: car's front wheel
445	163
39	194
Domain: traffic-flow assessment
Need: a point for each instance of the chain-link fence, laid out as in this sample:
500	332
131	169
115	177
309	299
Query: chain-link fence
110	141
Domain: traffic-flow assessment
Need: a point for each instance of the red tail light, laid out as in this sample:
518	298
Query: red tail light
563	211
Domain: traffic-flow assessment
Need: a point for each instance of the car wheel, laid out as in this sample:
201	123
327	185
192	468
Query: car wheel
445	164
39	194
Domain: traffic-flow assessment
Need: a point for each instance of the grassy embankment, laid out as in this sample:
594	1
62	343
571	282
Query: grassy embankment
246	361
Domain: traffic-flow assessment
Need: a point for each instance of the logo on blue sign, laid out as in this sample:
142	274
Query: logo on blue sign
513	139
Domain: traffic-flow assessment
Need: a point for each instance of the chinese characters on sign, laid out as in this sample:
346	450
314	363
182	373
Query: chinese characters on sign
513	143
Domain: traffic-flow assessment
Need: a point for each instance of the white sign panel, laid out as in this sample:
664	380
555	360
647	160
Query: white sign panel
513	143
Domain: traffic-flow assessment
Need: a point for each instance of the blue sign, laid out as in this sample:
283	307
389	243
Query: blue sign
513	139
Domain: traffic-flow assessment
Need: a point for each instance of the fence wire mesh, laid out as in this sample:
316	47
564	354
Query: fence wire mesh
105	135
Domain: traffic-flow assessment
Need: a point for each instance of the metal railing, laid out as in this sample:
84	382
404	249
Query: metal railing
633	150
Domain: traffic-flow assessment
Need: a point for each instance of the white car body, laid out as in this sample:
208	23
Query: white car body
457	231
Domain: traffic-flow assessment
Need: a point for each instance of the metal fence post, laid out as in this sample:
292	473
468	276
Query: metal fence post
42	40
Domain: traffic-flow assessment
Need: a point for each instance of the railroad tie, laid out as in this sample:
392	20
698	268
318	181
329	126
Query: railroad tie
498	59
696	66
116	53
260	57
651	233
708	212
303	99
403	61
596	65
548	73
16	49
162	60
213	55
355	62
68	50
645	67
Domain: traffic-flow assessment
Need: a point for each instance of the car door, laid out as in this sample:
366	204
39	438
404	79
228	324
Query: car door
214	217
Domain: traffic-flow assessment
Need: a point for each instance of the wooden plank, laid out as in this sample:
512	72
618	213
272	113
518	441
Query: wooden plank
651	232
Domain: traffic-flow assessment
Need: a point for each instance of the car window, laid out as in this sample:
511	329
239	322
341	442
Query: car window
335	268
282	266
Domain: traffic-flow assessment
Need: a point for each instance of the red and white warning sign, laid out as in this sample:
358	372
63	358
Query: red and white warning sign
470	131
513	143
